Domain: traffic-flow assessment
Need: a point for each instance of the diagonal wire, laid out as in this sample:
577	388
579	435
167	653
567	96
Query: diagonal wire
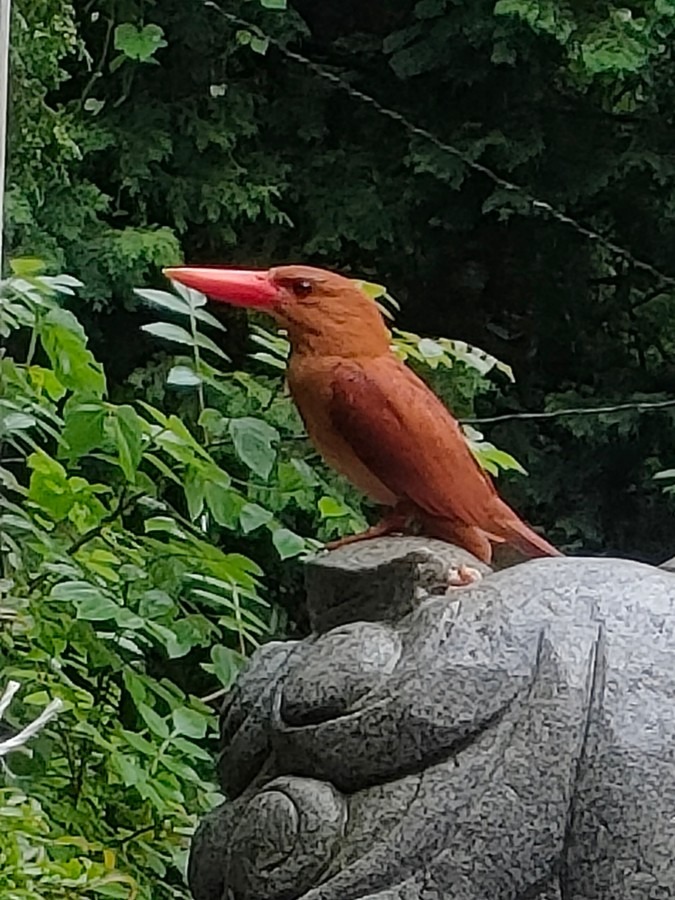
636	406
536	203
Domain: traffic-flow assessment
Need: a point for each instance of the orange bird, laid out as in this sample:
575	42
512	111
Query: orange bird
369	416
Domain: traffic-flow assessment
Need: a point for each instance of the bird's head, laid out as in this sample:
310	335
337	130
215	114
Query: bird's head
315	306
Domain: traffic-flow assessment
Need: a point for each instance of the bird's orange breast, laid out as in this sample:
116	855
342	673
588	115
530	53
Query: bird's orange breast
310	383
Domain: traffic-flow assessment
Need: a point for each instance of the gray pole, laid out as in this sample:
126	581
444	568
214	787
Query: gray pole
5	6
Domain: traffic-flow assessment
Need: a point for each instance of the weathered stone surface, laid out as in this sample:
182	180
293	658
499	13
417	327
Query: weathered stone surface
378	580
514	739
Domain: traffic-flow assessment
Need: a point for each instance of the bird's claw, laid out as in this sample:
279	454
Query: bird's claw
462	576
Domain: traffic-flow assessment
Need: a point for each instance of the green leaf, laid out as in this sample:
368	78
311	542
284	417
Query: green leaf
26	266
127	432
270	360
97	609
94	106
227	664
83	428
288	543
164	523
185	306
184	772
155	604
135	686
49	485
273	4
189	722
176	645
370	289
213	421
207	344
16	421
430	349
277	345
162	467
307	474
61	284
183	376
608	48
90	602
64	280
331	507
44	379
504	460
65	344
489	457
192	297
194	488
259	44
170	332
224	503
194	751
39	698
118	887
155	722
127	768
254	442
253	516
164	299
139	44
139	743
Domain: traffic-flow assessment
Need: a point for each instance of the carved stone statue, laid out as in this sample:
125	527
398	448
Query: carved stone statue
510	739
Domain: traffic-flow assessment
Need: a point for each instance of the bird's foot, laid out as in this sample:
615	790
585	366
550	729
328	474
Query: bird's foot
374	531
394	522
462	576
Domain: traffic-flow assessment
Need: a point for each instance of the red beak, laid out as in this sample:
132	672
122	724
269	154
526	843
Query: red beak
240	287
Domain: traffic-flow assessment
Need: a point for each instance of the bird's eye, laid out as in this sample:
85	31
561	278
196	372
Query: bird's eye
302	288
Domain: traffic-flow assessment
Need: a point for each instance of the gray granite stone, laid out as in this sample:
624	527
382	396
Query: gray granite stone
513	739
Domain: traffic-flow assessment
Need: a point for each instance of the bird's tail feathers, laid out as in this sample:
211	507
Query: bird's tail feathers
520	536
505	528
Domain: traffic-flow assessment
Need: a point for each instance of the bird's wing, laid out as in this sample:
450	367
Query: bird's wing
406	437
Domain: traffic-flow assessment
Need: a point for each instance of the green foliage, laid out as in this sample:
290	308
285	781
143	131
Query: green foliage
105	584
36	866
101	55
613	40
130	536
